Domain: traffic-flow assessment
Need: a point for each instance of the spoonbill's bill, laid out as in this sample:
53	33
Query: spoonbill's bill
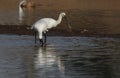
44	24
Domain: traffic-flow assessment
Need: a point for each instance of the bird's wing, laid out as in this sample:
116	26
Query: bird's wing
49	22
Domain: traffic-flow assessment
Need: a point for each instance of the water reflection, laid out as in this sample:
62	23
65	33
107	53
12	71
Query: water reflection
64	57
96	58
47	64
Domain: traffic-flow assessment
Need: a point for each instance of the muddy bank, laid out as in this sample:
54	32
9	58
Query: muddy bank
58	31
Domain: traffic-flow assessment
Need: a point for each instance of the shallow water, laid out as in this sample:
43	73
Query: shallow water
63	57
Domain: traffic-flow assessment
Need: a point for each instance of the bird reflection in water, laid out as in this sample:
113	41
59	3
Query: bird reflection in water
48	64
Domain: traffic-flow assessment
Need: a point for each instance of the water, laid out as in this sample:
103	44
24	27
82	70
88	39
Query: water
63	57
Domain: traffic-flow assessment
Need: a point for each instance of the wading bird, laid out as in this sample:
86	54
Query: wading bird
43	25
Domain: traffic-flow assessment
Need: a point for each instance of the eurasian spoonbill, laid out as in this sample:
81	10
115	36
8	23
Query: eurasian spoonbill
43	25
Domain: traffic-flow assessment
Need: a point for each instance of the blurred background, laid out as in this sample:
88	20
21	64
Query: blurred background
95	16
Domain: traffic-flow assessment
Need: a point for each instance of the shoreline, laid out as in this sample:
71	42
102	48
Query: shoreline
25	30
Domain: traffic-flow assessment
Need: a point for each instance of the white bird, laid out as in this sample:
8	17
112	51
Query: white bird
22	2
23	5
44	24
26	4
21	11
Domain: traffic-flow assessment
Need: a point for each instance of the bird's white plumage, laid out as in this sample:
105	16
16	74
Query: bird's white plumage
44	24
47	22
21	11
22	2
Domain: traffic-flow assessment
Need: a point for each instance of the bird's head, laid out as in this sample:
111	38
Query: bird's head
22	3
63	14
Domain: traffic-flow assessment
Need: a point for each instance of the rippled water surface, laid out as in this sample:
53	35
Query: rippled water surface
63	57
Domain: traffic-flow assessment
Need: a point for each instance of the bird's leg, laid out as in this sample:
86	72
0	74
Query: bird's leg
35	37
45	38
41	42
41	38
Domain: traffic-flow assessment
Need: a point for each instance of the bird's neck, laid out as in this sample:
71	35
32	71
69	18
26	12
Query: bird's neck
59	19
20	10
21	13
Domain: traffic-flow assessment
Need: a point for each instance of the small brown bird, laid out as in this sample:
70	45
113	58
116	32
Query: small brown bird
84	30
